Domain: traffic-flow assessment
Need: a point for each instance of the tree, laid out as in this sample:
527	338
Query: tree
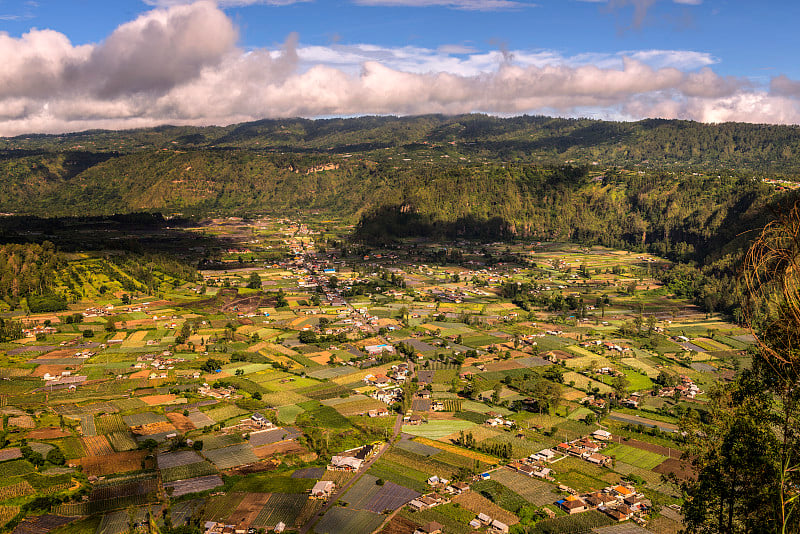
55	456
254	281
211	365
620	385
307	336
747	448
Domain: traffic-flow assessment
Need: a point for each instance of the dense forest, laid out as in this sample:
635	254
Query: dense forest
765	148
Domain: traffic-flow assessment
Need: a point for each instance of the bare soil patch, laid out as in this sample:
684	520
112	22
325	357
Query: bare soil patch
118	462
181	422
399	525
248	509
282	447
682	469
47	433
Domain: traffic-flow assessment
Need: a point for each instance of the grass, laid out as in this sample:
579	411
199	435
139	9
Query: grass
399	474
15	468
288	414
585	383
637	381
323	417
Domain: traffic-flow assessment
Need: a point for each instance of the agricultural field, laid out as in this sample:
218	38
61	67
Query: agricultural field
344	521
170	378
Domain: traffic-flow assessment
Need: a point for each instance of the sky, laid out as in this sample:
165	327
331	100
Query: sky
72	65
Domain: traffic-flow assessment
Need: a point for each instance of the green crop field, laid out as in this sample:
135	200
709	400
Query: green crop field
269	483
437	429
534	490
223	413
634	456
222	440
183	472
500	494
343	521
220	507
285	507
106	424
569	524
232	456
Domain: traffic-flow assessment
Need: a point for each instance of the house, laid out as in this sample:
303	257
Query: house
615	514
499	526
475	524
458	488
322	489
431	527
572	505
345	463
622	491
546	455
425	502
364	452
599	459
526	469
485	519
601	435
380	412
260	421
542	473
280	527
377	350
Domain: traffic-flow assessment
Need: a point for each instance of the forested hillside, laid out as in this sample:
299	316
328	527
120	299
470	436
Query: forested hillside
680	189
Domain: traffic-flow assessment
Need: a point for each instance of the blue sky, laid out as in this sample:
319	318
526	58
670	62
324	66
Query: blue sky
620	59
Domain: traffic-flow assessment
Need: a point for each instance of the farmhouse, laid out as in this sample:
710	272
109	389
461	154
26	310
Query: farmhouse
426	501
457	488
345	463
260	421
602	435
499	526
429	528
322	489
572	505
377	350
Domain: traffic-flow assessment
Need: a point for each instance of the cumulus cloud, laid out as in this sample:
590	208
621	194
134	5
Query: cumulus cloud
181	65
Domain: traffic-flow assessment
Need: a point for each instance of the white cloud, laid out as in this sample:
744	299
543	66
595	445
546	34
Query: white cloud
225	3
471	5
181	65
